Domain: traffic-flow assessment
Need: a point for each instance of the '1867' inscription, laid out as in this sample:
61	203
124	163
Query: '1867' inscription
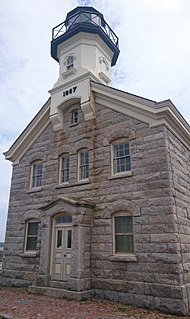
69	91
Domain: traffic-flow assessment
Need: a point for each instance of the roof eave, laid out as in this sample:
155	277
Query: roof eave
148	111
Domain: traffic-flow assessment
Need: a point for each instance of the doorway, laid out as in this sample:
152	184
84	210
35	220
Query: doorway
61	247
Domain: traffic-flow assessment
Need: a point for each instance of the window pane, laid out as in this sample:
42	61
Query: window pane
65	162
70	62
69	235
124	244
33	228
37	174
84	165
59	238
74	119
31	243
124	224
121	158
65	169
85	17
65	176
64	219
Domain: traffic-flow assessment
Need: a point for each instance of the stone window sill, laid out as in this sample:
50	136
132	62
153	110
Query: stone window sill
74	124
82	182
30	254
34	190
63	185
121	175
129	258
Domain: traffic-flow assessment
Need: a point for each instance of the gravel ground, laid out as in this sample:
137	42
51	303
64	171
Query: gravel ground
16	303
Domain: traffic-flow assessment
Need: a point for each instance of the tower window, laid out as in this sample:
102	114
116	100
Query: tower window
74	116
70	62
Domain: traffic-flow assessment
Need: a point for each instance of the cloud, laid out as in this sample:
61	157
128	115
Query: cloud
153	63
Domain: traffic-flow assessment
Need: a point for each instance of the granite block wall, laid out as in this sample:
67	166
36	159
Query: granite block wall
156	194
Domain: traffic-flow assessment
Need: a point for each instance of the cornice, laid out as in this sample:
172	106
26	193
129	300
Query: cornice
70	200
29	135
148	111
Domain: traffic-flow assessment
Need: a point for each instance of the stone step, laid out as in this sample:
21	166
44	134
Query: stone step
58	284
61	293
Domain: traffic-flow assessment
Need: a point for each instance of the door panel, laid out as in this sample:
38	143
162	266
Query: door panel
62	253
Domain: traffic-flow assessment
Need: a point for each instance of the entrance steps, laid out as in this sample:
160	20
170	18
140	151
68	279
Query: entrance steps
58	292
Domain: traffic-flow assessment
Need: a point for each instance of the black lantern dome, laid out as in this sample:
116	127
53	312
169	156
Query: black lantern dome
84	19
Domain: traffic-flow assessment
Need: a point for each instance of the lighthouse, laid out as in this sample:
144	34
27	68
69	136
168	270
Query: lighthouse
86	48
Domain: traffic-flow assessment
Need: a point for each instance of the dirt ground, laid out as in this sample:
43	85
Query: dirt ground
16	303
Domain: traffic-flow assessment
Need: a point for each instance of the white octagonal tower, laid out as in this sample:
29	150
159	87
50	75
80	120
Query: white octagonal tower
86	48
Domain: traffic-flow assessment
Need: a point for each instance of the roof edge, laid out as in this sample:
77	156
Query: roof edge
148	111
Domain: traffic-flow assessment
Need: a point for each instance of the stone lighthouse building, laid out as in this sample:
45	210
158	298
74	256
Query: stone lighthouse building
100	191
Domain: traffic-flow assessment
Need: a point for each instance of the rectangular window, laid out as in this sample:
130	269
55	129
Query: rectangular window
83	165
70	62
64	174
36	174
31	236
74	117
123	228
121	158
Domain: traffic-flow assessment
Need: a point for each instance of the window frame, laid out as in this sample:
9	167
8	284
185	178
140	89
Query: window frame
70	62
30	221
66	155
34	176
124	253
81	166
74	119
113	170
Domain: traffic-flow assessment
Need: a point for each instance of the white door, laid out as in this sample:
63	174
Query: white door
62	243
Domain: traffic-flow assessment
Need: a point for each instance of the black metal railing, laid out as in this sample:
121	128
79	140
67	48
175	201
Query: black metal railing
87	18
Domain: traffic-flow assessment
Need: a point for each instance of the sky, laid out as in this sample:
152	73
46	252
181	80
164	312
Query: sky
154	61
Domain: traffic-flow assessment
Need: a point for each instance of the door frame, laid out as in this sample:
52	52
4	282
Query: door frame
53	239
